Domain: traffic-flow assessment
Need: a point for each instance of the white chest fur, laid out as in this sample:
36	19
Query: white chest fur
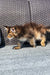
23	39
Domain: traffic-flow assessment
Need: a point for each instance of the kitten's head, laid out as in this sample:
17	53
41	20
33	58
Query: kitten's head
12	32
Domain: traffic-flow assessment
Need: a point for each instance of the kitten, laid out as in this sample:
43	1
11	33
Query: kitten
29	32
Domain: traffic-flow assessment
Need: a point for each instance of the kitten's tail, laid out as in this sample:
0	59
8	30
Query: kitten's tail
47	28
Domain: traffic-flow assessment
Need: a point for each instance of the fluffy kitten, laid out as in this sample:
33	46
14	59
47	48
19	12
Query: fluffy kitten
29	32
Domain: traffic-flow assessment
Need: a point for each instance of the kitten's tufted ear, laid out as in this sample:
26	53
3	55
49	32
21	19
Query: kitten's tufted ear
6	28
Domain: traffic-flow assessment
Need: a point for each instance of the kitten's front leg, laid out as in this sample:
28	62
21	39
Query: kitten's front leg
32	42
19	45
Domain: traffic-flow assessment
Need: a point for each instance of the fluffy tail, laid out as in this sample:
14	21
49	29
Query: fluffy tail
47	28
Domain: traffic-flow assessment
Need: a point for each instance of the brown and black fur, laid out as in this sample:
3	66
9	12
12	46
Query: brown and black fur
28	32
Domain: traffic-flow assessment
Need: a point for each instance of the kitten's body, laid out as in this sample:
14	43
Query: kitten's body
28	32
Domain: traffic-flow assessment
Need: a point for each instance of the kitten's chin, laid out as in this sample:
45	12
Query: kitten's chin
10	38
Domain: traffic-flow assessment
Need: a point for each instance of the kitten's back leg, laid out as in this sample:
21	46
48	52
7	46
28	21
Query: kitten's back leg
43	40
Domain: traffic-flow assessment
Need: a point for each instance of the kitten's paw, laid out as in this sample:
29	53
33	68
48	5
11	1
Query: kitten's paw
34	46
16	47
43	44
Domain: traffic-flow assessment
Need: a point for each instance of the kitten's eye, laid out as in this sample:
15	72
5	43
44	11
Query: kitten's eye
13	30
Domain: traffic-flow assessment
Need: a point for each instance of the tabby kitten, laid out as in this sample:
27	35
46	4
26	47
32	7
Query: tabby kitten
29	32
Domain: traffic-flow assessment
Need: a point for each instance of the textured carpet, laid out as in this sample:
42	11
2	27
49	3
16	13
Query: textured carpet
25	61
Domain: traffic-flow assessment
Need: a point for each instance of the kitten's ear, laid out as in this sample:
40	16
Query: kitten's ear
6	28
